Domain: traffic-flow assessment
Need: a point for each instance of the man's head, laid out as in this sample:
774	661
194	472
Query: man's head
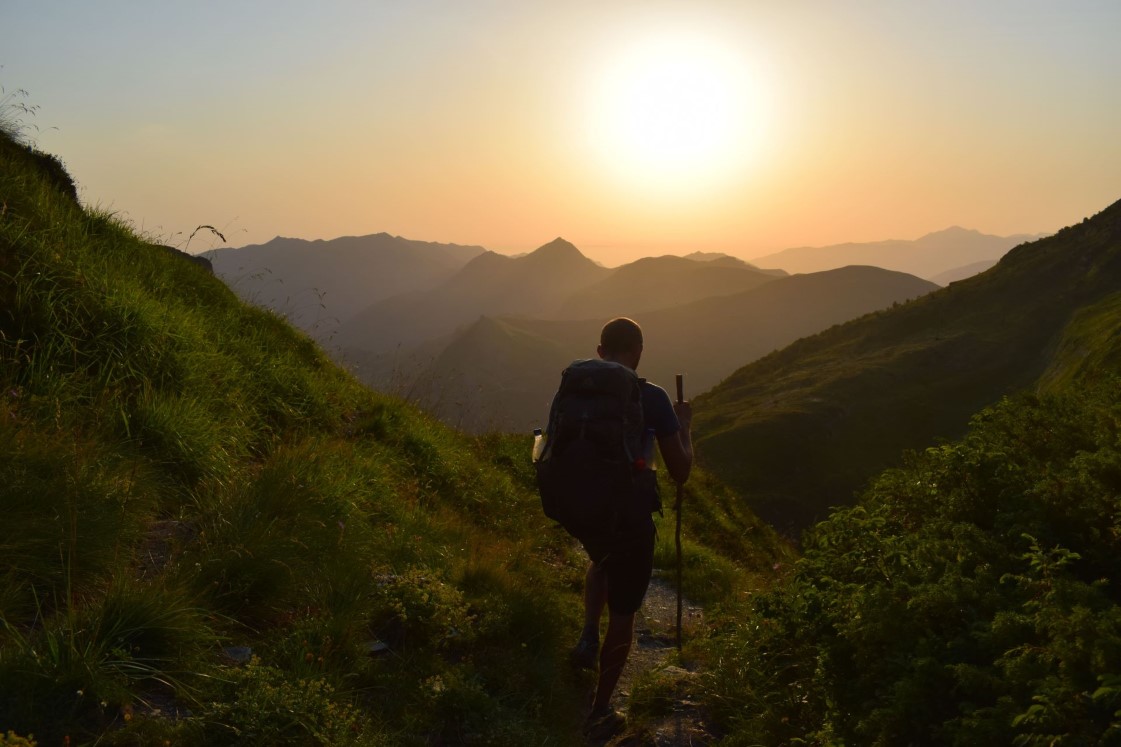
621	341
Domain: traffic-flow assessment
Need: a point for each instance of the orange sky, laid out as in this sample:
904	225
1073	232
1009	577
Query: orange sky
500	123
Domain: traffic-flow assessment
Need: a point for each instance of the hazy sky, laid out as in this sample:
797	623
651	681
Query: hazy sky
628	128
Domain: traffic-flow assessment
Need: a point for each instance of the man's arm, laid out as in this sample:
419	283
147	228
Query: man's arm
677	448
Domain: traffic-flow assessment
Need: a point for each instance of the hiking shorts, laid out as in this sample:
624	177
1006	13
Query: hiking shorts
628	561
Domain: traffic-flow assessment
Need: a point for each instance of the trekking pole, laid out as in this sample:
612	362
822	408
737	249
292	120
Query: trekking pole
677	510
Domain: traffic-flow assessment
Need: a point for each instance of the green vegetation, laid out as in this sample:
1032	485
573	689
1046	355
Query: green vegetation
970	598
819	419
213	535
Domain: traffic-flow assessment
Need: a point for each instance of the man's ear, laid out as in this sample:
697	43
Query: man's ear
599	350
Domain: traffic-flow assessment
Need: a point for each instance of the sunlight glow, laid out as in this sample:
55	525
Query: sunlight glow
676	113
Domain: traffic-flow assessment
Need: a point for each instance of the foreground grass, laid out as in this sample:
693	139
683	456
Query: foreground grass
213	535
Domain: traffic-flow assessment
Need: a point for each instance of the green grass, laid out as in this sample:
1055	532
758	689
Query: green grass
182	472
183	475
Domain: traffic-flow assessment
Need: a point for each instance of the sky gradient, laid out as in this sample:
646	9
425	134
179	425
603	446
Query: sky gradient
491	122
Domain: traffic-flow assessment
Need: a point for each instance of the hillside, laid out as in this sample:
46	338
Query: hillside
926	257
213	535
971	597
501	373
803	428
317	285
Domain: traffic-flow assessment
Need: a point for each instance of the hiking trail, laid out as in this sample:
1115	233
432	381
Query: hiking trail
653	649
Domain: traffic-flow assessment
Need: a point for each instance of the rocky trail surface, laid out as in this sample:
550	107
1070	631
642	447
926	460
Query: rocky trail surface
680	720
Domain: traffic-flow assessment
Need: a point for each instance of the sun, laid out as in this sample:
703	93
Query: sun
677	112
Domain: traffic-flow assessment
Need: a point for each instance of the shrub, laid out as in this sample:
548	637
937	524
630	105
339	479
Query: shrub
969	599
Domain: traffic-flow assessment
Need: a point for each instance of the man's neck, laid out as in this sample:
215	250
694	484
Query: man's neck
624	359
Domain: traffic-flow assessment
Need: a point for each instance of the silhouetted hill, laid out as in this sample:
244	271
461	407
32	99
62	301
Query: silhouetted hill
501	373
537	283
801	429
318	284
926	257
659	283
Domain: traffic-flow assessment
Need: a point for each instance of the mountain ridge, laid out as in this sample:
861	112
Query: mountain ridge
536	282
827	412
318	283
925	257
502	372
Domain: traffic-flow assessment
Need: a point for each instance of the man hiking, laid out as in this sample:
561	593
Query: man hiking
622	559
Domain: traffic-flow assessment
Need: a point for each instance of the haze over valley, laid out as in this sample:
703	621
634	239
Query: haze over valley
861	362
478	337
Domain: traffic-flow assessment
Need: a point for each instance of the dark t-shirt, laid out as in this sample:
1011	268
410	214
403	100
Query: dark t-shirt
657	410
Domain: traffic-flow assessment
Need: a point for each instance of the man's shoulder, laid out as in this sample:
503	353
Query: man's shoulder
650	389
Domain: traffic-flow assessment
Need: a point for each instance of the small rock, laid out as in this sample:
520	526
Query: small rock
677	673
238	654
376	647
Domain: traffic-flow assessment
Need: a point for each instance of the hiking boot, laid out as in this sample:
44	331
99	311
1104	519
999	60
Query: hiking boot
603	725
585	654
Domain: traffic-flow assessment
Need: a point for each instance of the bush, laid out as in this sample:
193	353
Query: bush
970	598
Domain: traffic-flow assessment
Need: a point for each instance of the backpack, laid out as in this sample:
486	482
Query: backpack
589	471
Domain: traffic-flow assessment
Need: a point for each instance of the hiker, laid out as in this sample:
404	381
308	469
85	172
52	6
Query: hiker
622	560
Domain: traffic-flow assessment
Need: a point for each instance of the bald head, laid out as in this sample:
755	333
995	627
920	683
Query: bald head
621	341
621	335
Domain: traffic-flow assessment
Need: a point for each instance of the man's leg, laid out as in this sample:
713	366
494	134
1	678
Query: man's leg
595	599
616	647
586	651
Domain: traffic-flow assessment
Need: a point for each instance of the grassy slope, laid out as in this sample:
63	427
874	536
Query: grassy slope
803	428
181	474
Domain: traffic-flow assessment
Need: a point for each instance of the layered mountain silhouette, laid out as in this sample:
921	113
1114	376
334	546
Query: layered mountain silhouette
926	257
800	430
827	402
661	282
537	283
317	284
727	260
499	373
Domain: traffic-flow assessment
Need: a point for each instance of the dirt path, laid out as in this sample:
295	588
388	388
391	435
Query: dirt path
655	649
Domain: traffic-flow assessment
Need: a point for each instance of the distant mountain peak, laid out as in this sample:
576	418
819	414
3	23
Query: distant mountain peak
558	250
700	256
952	232
555	247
